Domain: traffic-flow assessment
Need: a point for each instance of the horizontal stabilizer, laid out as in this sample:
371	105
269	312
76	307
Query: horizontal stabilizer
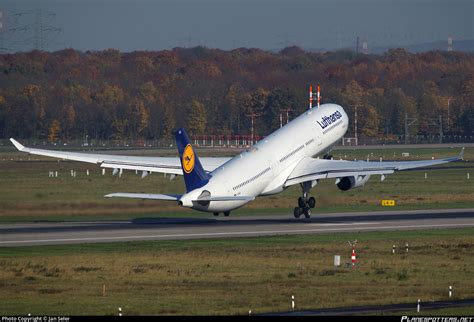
144	196
461	154
227	198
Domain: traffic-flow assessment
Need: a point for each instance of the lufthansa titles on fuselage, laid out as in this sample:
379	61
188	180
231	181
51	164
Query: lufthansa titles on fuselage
328	120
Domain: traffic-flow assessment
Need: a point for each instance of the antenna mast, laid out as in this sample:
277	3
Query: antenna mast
318	96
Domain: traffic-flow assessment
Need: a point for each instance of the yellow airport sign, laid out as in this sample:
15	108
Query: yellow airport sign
388	203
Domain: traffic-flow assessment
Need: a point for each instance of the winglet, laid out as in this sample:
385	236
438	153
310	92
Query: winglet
461	154
17	145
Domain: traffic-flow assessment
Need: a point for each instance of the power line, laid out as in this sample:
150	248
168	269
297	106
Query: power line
34	29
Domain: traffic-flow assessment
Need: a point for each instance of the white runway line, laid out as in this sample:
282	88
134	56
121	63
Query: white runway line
236	233
345	224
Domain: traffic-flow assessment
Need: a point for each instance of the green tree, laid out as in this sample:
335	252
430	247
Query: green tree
400	105
279	100
255	103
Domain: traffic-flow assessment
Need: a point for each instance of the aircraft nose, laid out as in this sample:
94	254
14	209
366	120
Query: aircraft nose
345	118
343	112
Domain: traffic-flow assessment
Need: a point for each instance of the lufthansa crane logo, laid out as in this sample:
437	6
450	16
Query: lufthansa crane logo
188	159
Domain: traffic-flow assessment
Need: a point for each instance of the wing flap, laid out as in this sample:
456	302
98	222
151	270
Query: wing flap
161	168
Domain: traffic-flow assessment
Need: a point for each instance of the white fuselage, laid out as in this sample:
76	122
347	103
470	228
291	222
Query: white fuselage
263	168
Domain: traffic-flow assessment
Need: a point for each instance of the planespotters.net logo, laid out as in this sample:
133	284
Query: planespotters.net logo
437	319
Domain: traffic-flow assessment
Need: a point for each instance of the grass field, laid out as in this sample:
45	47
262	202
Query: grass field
229	276
232	276
26	192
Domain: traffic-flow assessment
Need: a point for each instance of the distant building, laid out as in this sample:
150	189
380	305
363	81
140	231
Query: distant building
365	47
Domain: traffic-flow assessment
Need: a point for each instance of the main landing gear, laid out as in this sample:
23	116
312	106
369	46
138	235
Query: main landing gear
305	204
226	213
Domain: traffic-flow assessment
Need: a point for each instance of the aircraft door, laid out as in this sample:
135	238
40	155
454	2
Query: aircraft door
227	187
318	135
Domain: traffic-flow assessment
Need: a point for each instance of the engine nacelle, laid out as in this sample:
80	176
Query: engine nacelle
347	183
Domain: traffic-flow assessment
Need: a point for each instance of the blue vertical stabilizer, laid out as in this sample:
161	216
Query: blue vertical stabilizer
193	172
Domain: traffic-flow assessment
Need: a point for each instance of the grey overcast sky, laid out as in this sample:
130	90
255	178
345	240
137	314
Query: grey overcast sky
154	25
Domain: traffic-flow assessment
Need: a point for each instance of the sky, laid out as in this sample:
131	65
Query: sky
130	25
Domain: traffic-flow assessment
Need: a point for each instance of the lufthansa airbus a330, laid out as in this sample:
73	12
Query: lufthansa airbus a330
287	157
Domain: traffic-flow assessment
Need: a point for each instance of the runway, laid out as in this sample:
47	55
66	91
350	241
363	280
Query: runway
55	233
377	309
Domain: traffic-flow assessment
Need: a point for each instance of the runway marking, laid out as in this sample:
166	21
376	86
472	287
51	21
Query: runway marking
228	233
345	224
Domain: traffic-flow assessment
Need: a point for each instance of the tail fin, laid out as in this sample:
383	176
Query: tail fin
193	172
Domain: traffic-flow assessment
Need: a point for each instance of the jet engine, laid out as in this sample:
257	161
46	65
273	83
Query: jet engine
347	183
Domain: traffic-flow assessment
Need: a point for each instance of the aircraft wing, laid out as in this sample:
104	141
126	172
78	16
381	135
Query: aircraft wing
151	164
310	169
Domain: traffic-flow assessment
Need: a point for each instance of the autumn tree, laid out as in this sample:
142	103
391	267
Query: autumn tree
103	88
399	106
369	121
353	97
169	123
69	120
138	118
108	99
54	130
3	115
196	118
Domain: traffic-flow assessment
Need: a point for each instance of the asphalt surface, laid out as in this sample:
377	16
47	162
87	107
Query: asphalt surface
378	309
55	233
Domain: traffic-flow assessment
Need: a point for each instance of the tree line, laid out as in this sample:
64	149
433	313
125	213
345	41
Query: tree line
107	94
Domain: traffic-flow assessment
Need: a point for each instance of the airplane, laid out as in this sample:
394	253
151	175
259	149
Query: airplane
289	156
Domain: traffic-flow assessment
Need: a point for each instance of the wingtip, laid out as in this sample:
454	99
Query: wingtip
17	144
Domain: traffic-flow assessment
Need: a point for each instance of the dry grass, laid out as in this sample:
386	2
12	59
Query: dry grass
26	192
235	275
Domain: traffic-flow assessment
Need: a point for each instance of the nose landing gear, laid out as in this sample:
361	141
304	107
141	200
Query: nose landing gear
305	204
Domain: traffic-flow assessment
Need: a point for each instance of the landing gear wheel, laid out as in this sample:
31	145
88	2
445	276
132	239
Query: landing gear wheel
311	202
216	214
297	212
301	202
226	213
307	212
